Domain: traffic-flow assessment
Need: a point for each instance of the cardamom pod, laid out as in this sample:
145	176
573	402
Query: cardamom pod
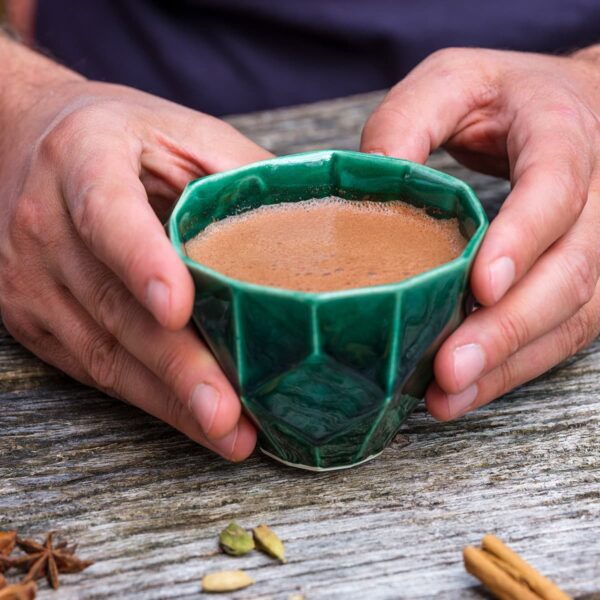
226	581
267	541
235	540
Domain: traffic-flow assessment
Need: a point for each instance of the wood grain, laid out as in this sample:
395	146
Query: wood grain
147	504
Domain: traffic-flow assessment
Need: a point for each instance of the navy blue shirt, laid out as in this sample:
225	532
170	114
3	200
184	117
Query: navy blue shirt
230	56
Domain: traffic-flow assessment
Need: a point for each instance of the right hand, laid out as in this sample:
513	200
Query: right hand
88	279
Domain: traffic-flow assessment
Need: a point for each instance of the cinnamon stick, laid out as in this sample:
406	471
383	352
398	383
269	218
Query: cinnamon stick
499	582
541	585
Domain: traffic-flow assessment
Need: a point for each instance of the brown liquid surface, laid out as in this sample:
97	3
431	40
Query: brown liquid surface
329	244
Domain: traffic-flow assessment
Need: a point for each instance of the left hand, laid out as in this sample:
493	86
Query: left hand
536	119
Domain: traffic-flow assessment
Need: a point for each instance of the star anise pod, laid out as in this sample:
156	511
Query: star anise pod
8	540
47	559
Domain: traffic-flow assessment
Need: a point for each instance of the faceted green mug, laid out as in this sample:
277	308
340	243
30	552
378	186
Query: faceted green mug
328	378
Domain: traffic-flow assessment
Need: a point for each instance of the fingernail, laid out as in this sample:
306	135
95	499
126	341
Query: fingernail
469	362
459	404
158	300
226	445
204	404
502	274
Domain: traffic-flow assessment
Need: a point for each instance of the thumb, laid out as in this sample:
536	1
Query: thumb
430	104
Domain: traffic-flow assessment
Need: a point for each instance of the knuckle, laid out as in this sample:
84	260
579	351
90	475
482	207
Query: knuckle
57	140
581	268
389	107
387	110
88	214
112	305
577	332
22	328
174	411
514	331
52	146
171	365
474	71
572	191
507	377
452	57
28	222
100	357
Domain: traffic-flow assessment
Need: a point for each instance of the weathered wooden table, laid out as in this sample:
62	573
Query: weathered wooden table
147	504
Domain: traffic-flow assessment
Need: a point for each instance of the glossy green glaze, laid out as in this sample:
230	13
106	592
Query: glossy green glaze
328	378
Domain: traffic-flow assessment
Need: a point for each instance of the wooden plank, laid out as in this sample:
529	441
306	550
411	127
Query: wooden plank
147	504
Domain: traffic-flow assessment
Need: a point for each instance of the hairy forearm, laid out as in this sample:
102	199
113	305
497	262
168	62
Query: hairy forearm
27	79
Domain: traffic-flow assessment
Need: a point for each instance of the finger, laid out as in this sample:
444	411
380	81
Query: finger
552	174
235	446
431	104
179	359
567	274
115	371
526	364
189	144
111	214
32	335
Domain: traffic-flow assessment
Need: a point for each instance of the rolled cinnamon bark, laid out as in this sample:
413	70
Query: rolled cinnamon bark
498	581
541	585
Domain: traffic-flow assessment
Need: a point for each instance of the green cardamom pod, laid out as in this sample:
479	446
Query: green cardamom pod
226	581
267	541
235	540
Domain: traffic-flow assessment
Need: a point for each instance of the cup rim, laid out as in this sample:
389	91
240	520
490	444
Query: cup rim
465	257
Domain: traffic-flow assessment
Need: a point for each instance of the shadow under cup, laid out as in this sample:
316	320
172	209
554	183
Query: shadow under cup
328	378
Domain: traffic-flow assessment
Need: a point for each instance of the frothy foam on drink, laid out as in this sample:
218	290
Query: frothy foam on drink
327	244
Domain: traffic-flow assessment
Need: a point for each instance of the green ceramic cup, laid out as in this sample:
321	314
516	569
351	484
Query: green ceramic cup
328	378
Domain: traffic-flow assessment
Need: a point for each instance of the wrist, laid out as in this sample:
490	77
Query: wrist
30	79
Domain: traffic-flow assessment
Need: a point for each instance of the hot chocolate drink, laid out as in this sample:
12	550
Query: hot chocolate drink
327	244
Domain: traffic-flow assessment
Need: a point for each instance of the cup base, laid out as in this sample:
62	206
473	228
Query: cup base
319	469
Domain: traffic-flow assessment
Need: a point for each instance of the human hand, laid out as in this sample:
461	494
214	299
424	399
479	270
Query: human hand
88	279
534	118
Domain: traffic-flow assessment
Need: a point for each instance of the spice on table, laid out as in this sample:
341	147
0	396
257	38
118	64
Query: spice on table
47	559
8	539
235	540
17	591
506	574
268	541
226	581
